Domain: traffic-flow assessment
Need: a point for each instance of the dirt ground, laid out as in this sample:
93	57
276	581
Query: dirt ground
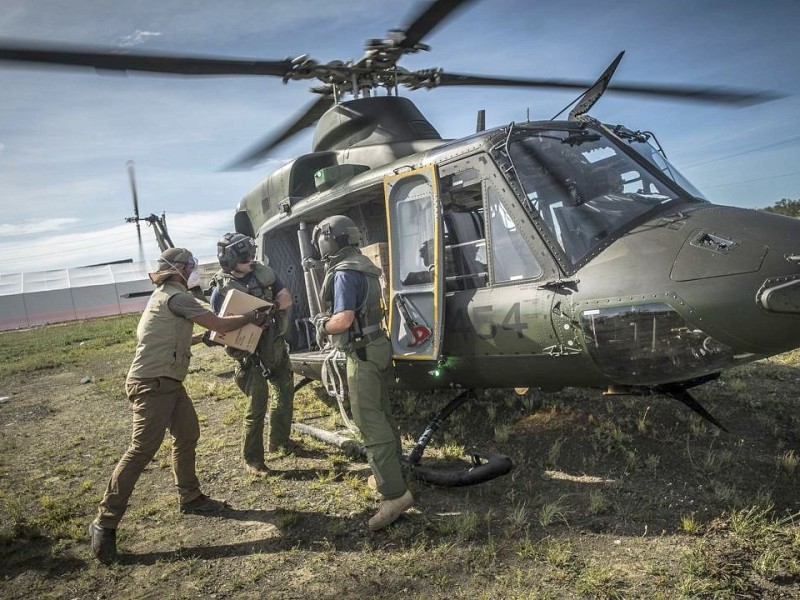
610	497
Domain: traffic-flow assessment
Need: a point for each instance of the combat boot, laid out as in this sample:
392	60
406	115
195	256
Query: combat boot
390	510
104	543
203	505
287	447
257	469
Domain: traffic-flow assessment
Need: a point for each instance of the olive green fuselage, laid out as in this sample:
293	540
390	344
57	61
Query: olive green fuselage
680	290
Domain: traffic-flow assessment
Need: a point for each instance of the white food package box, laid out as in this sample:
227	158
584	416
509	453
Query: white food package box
245	338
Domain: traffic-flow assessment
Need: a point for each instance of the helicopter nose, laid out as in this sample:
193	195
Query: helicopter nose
739	270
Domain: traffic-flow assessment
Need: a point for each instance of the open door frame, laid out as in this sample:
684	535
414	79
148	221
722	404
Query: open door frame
416	278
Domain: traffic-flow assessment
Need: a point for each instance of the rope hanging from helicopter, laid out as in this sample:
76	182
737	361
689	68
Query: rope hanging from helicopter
334	381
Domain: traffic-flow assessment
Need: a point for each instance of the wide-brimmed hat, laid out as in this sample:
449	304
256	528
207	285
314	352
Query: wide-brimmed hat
171	262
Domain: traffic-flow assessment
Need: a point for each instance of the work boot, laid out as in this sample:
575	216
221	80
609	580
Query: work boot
203	505
257	469
390	510
104	543
286	447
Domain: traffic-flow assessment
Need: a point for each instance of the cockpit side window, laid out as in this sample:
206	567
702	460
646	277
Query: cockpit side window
465	259
512	258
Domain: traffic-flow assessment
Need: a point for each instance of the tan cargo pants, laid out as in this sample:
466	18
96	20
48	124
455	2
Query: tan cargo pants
158	405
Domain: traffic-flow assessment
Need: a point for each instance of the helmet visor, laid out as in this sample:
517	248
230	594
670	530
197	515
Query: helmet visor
242	250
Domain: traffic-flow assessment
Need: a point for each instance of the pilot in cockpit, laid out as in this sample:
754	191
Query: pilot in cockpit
426	275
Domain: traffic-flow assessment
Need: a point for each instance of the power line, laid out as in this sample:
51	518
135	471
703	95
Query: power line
743	152
751	180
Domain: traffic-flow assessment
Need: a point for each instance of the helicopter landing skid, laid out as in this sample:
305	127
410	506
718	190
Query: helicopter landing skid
681	393
677	391
485	466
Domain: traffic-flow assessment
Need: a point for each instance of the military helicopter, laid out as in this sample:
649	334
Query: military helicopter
538	254
158	223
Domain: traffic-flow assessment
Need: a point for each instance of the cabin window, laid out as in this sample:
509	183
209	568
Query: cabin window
465	261
512	258
414	242
663	165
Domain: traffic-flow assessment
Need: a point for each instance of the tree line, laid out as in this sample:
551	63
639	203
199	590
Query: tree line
790	208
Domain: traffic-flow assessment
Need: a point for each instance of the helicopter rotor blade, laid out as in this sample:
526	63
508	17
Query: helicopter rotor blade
139	240
132	179
309	116
117	60
428	19
136	219
676	92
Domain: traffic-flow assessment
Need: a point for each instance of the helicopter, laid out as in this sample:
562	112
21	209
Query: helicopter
158	223
544	254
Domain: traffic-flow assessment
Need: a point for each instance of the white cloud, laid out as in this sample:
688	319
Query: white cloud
29	227
197	231
137	38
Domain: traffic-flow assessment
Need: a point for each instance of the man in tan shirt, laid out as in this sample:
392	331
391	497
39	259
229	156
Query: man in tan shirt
159	401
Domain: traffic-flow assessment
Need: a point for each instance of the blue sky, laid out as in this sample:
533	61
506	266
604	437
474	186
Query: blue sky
65	136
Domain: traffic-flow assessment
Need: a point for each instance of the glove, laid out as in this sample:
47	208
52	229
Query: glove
258	317
319	321
207	340
236	353
270	310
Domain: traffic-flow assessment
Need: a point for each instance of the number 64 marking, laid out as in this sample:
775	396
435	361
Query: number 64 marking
482	317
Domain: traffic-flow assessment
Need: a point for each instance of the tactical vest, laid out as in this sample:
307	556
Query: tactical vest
164	339
259	283
366	326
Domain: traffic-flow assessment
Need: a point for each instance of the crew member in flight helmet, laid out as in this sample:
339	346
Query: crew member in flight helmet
351	294
267	368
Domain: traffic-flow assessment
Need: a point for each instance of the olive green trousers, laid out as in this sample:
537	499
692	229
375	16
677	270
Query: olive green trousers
368	379
275	394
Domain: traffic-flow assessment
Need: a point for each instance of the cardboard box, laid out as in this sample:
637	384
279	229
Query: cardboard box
244	338
379	256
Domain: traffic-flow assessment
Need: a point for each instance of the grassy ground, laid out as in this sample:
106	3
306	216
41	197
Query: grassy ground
610	497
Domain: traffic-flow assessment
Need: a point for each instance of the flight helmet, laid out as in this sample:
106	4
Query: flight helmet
334	233
235	248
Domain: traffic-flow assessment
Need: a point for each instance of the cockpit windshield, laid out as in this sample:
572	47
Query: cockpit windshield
662	164
584	188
